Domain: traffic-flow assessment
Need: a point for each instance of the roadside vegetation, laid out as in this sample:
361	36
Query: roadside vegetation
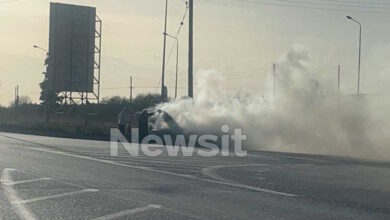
30	118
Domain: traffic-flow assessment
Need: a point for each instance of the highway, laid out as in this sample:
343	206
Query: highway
54	178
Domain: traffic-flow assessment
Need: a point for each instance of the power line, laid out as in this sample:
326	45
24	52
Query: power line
320	3
358	2
310	7
153	87
178	33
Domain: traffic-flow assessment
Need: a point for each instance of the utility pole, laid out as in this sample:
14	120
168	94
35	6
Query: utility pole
177	65
131	88
191	50
339	79
17	96
164	49
16	101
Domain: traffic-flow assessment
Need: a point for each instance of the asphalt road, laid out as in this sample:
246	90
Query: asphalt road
53	178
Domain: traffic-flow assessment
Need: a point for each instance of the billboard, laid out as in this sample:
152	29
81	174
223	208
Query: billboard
71	48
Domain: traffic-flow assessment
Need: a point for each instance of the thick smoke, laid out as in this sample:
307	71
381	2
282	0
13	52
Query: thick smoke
297	118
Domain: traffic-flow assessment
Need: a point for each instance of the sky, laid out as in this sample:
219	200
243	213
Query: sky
241	39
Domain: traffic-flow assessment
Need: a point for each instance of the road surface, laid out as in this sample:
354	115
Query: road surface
54	178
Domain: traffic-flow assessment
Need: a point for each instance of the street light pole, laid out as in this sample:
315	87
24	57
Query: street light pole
177	61
360	51
177	66
43	49
38	47
46	107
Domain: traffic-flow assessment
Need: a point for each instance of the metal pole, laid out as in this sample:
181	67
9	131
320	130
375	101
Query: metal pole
177	66
16	102
164	49
360	50
46	84
131	88
191	50
177	61
17	94
360	55
40	48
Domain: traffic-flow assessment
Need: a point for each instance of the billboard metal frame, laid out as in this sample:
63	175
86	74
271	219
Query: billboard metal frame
71	99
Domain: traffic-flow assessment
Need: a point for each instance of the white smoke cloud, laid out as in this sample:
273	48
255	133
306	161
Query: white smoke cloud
300	119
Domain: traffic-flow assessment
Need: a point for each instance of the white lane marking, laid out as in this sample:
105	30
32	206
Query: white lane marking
304	158
261	178
158	162
128	212
211	172
24	181
55	196
12	196
236	185
191	161
283	156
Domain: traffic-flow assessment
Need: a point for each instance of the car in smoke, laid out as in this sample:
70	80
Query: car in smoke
154	121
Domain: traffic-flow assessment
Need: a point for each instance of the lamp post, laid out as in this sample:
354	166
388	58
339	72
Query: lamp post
177	61
40	48
360	50
43	49
46	107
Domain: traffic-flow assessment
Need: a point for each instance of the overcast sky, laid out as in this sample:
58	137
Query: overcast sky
240	39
